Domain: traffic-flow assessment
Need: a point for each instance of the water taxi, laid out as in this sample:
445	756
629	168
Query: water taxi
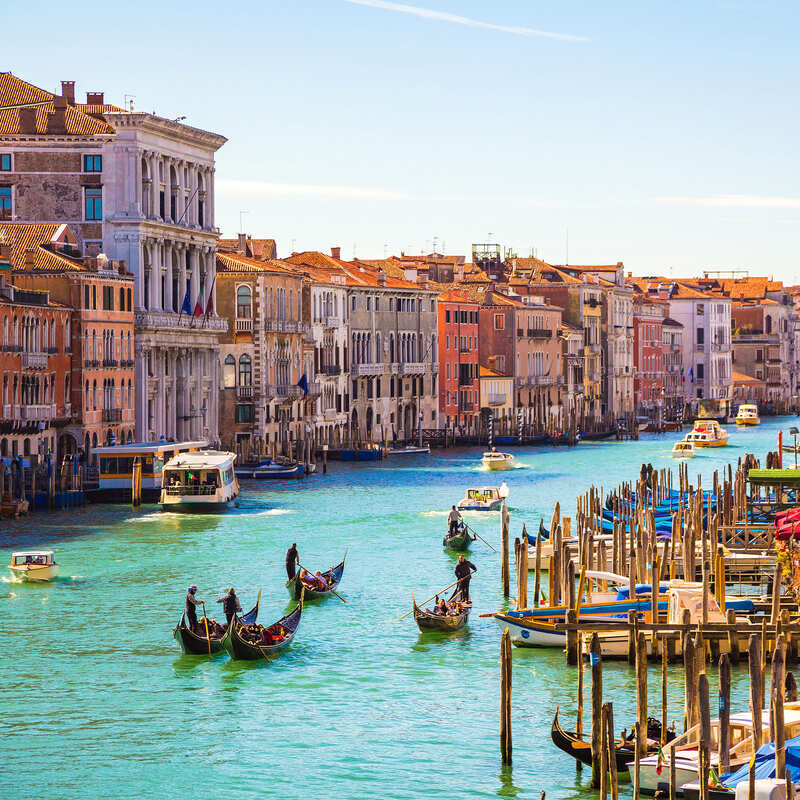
707	433
683	449
484	498
496	461
202	481
115	472
410	450
34	565
747	415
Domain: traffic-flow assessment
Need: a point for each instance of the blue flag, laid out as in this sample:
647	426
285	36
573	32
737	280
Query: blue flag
186	308
303	384
691	374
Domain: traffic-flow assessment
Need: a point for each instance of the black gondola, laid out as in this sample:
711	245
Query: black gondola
202	645
333	576
581	749
251	642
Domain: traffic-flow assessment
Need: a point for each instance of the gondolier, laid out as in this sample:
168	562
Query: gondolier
191	607
464	570
292	558
230	604
454	517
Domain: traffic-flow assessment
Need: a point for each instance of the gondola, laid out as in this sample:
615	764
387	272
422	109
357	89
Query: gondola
333	576
426	621
281	632
195	645
581	749
458	541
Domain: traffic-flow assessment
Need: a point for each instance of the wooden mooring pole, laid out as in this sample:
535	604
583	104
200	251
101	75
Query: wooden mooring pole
505	698
504	576
597	706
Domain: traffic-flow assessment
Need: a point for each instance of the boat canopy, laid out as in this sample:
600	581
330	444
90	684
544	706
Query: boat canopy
33	557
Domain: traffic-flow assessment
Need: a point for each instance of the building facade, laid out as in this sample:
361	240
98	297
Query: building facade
672	338
648	353
459	390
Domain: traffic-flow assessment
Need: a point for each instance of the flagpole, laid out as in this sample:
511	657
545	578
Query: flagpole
210	295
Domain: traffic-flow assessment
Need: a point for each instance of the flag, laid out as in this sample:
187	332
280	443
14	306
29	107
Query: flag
713	780
303	384
660	761
186	308
683	377
198	306
210	301
691	374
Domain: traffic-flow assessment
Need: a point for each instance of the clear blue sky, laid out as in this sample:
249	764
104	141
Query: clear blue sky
660	134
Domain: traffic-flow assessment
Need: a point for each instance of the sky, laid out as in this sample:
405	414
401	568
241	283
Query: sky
660	134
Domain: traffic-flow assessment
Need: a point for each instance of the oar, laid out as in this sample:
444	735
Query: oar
205	619
441	591
472	530
330	589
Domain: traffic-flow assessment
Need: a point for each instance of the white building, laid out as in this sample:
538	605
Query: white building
158	196
618	330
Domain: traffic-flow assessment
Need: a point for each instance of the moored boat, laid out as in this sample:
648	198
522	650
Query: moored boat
496	461
252	642
193	644
429	621
484	498
272	470
411	450
34	565
201	481
747	415
333	577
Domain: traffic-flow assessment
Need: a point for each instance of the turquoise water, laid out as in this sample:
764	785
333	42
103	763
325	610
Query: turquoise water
98	701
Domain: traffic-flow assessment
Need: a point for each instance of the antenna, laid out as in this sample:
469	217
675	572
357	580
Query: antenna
566	261
241	220
127	102
385	250
293	243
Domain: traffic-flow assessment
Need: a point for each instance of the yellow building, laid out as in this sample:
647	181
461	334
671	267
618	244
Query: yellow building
497	393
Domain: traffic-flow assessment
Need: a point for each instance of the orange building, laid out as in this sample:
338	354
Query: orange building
99	294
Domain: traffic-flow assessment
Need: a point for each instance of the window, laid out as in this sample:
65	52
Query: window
701	368
353	303
245	414
94	204
93	163
5	202
499	322
94	296
391	304
700	309
245	371
108	298
369	303
243	306
5	162
86	296
701	336
229	372
377	304
447	316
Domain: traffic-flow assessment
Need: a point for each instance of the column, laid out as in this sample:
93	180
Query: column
172	252
141	392
155	274
155	185
210	198
135	183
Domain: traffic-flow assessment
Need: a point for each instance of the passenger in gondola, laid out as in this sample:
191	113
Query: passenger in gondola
454	518
440	607
230	604
319	579
191	607
464	570
292	558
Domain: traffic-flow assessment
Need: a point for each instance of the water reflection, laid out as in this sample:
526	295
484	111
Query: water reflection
507	787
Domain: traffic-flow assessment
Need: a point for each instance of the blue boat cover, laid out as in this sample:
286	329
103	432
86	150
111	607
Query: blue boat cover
765	764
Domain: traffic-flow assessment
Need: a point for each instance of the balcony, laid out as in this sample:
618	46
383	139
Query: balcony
112	415
10	412
285	326
412	368
65	411
314	389
495	399
540	333
465	380
244	392
331	414
360	370
169	320
126	362
110	362
594	349
521	380
520	333
34	361
244	325
331	369
284	391
331	322
38	412
542	380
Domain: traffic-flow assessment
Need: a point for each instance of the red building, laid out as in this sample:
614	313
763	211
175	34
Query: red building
648	352
459	392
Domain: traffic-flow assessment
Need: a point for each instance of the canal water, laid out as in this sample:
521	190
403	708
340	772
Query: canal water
98	702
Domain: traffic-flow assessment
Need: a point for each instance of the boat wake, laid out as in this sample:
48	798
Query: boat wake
269	512
464	513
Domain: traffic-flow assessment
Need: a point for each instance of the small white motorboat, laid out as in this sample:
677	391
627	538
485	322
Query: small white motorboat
34	565
747	415
495	461
409	451
484	498
683	449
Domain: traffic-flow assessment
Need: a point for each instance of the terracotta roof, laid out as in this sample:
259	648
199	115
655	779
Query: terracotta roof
237	263
485	372
457	296
31	240
354	273
256	248
740	377
671	322
16	94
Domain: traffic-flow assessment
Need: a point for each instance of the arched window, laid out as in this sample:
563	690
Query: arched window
244	308
245	371
229	372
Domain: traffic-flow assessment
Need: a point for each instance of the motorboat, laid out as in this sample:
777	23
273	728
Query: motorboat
707	433
484	498
201	481
747	415
496	461
34	565
270	469
411	450
683	449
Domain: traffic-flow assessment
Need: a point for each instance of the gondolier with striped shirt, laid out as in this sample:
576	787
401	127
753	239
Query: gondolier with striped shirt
464	570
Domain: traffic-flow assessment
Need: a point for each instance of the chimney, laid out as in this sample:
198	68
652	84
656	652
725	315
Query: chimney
68	92
94	99
57	121
242	248
381	278
30	258
336	252
27	120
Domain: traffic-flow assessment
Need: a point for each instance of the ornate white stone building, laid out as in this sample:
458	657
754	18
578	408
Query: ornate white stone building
159	218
